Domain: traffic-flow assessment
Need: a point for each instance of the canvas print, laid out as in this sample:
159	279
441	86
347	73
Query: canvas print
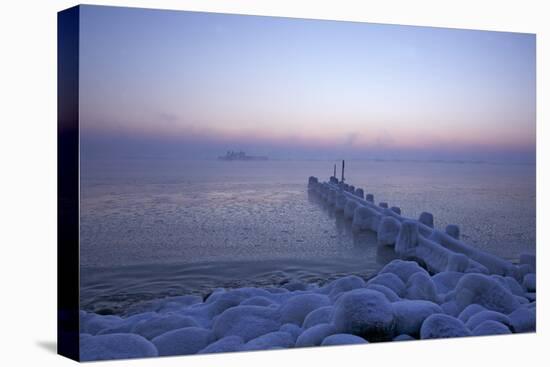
235	183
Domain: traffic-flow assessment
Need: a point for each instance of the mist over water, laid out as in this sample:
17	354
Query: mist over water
160	227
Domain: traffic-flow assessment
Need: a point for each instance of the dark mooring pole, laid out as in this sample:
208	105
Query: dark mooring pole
343	166
334	174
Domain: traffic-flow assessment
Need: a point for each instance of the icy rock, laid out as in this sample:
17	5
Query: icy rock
94	323
115	346
421	286
523	320
396	209
390	295
403	337
343	339
248	322
483	316
365	218
450	308
389	280
187	340
315	335
349	209
491	327
383	205
359	192
443	326
127	324
511	284
365	313
322	315
407	239
427	219
446	281
344	284
469	311
388	231
274	339
170	304
403	269
292	329
453	230
161	324
528	259
530	282
228	344
341	201
257	301
409	315
297	308
483	290
295	286
369	197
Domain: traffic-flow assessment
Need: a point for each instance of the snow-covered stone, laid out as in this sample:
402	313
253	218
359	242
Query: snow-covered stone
523	320
469	311
491	327
407	239
343	339
365	313
248	322
344	284
94	323
349	209
450	308
188	340
480	317
292	329
390	294
446	281
228	344
530	282
389	280
315	335
453	230
443	326
403	269
322	315
274	339
421	287
257	301
427	219
410	314
161	324
388	230
297	308
115	346
485	291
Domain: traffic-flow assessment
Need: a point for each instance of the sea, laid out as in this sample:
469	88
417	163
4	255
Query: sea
152	228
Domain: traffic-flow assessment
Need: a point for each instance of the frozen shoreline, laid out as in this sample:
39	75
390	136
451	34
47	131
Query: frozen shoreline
456	292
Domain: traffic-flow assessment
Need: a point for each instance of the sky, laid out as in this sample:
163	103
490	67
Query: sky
189	84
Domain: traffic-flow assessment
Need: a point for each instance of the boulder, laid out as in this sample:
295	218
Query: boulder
248	322
389	280
485	291
161	324
343	339
280	339
403	269
483	316
491	327
115	346
297	308
322	315
523	320
388	230
421	286
187	340
443	326
409	315
315	335
230	343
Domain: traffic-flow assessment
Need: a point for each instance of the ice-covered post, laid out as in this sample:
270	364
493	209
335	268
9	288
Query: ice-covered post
370	197
407	239
453	231
427	219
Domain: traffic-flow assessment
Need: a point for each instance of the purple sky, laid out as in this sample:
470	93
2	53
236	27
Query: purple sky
197	84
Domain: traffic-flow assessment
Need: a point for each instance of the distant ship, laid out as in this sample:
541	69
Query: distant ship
241	156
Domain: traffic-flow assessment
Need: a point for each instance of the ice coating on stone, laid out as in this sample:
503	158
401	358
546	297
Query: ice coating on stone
491	327
390	294
407	239
257	301
322	315
446	281
365	218
365	313
450	308
469	311
349	209
410	314
443	326
480	317
115	346
344	284
530	282
403	269
297	308
315	335
230	343
389	280
188	340
161	324
421	287
248	322
274	339
437	258
292	329
343	339
523	320
485	291
388	230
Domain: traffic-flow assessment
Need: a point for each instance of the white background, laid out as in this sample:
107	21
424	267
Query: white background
28	181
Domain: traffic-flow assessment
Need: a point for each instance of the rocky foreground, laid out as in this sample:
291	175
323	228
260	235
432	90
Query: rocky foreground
402	302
